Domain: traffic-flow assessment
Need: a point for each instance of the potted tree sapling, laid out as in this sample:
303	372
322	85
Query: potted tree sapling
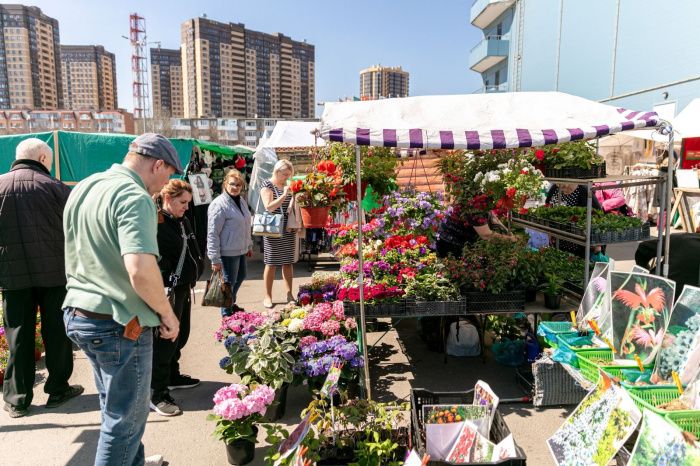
552	290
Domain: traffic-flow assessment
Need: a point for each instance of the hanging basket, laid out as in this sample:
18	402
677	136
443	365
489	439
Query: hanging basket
314	217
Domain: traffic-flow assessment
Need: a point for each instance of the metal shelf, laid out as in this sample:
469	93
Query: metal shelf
571	237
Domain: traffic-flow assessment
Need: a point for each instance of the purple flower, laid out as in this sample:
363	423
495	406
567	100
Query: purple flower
225	362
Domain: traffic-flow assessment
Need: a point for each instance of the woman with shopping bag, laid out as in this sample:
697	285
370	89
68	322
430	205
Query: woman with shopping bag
229	241
181	264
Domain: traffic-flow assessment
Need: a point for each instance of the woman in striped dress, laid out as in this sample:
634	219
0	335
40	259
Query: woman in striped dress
276	196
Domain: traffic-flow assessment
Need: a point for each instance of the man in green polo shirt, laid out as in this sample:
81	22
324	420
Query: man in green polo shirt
115	291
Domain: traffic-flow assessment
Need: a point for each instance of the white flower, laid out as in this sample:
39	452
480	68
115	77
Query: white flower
296	325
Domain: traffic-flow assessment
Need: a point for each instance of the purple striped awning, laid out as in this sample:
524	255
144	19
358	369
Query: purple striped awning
414	122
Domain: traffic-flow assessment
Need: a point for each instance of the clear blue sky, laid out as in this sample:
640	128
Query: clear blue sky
429	39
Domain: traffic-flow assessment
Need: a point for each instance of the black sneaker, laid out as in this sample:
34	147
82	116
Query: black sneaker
15	411
164	405
182	381
58	399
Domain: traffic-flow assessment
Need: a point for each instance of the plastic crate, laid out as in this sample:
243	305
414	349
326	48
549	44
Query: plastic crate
509	301
652	396
395	309
436	308
589	368
550	329
596	171
688	421
564	338
499	428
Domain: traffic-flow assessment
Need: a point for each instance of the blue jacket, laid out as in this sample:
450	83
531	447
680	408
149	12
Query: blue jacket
228	229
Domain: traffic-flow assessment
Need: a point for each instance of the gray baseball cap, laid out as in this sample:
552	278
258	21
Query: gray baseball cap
157	146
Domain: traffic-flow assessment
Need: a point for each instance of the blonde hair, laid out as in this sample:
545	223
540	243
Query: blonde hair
173	189
233	173
281	165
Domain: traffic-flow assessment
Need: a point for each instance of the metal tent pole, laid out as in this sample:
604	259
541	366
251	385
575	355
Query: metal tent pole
361	274
669	197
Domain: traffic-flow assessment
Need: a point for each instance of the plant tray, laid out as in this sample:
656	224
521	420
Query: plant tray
589	368
688	421
554	386
564	338
510	301
436	308
631	234
550	329
395	309
499	428
596	171
652	396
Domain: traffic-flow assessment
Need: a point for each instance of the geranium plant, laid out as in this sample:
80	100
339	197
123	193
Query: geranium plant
377	164
574	154
236	410
320	188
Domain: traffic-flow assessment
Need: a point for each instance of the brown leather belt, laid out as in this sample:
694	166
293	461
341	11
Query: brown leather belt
91	315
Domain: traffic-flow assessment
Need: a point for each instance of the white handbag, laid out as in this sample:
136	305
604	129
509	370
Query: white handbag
267	224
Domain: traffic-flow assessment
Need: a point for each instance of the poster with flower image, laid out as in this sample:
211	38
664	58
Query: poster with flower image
461	451
661	443
597	428
641	307
483	449
443	424
484	396
504	449
595	304
680	349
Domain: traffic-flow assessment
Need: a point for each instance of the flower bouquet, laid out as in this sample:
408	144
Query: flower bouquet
236	410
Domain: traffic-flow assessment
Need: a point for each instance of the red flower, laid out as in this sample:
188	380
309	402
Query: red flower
296	186
330	167
539	154
239	163
333	193
510	192
555	150
523	211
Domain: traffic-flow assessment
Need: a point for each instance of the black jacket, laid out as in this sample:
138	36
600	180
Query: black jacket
31	227
170	249
683	260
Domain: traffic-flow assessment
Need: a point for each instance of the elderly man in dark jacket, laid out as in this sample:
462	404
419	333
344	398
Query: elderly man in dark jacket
32	275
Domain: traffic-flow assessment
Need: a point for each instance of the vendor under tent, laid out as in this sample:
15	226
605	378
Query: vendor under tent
473	122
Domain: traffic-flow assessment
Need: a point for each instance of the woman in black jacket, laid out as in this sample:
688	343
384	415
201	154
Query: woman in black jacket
181	264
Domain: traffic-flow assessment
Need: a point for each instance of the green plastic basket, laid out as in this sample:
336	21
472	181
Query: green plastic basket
564	338
652	396
589	368
688	421
550	330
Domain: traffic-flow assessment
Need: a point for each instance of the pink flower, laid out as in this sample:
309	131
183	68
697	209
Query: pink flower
307	340
330	328
338	310
350	323
237	401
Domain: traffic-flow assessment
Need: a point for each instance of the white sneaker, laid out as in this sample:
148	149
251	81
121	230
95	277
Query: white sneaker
154	460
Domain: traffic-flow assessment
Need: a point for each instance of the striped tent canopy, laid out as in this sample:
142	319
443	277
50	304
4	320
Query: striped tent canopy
477	121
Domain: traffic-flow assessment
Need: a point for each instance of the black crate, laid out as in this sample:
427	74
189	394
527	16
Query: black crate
596	171
394	309
509	301
421	397
436	308
631	234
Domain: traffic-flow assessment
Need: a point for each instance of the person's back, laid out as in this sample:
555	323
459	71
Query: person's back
684	258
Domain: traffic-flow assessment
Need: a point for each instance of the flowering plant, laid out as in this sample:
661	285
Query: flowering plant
371	292
320	188
413	212
317	358
237	408
322	288
329	319
377	166
510	184
574	154
239	324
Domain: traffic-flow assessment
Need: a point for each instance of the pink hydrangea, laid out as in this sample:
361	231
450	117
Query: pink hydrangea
236	401
350	323
307	340
330	328
239	323
338	310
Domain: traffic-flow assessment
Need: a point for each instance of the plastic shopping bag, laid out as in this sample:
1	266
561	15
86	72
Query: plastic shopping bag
218	292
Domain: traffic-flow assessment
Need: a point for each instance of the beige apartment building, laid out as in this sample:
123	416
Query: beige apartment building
30	73
89	78
230	71
379	82
166	83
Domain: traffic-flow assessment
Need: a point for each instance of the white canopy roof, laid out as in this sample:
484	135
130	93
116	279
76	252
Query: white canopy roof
294	134
477	121
687	122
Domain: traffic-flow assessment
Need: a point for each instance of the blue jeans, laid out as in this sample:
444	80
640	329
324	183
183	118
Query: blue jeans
235	270
122	370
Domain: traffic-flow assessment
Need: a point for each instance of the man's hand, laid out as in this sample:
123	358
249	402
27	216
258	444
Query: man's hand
169	326
249	254
216	267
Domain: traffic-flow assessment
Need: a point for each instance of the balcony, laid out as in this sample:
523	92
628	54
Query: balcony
489	52
503	87
484	12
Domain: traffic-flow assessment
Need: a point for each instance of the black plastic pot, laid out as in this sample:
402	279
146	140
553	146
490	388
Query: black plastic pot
240	452
530	295
552	301
276	411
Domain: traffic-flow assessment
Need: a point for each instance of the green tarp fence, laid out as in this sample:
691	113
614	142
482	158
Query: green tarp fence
80	155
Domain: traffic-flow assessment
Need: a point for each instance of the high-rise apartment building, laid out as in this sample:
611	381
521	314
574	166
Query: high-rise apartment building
30	69
89	78
230	71
379	82
166	83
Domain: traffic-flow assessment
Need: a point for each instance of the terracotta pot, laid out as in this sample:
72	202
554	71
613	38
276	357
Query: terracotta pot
314	217
241	451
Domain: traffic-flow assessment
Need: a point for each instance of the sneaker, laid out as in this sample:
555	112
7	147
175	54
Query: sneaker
57	399
182	381
154	460
165	405
15	411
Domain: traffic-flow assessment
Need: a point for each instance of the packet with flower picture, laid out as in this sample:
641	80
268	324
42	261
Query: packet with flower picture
463	447
484	396
443	424
660	442
504	449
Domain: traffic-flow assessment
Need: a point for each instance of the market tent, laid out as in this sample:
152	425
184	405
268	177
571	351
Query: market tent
687	122
78	155
477	121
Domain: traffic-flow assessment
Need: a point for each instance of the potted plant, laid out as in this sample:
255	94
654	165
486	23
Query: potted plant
508	342
236	410
377	168
266	358
575	159
318	193
552	290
